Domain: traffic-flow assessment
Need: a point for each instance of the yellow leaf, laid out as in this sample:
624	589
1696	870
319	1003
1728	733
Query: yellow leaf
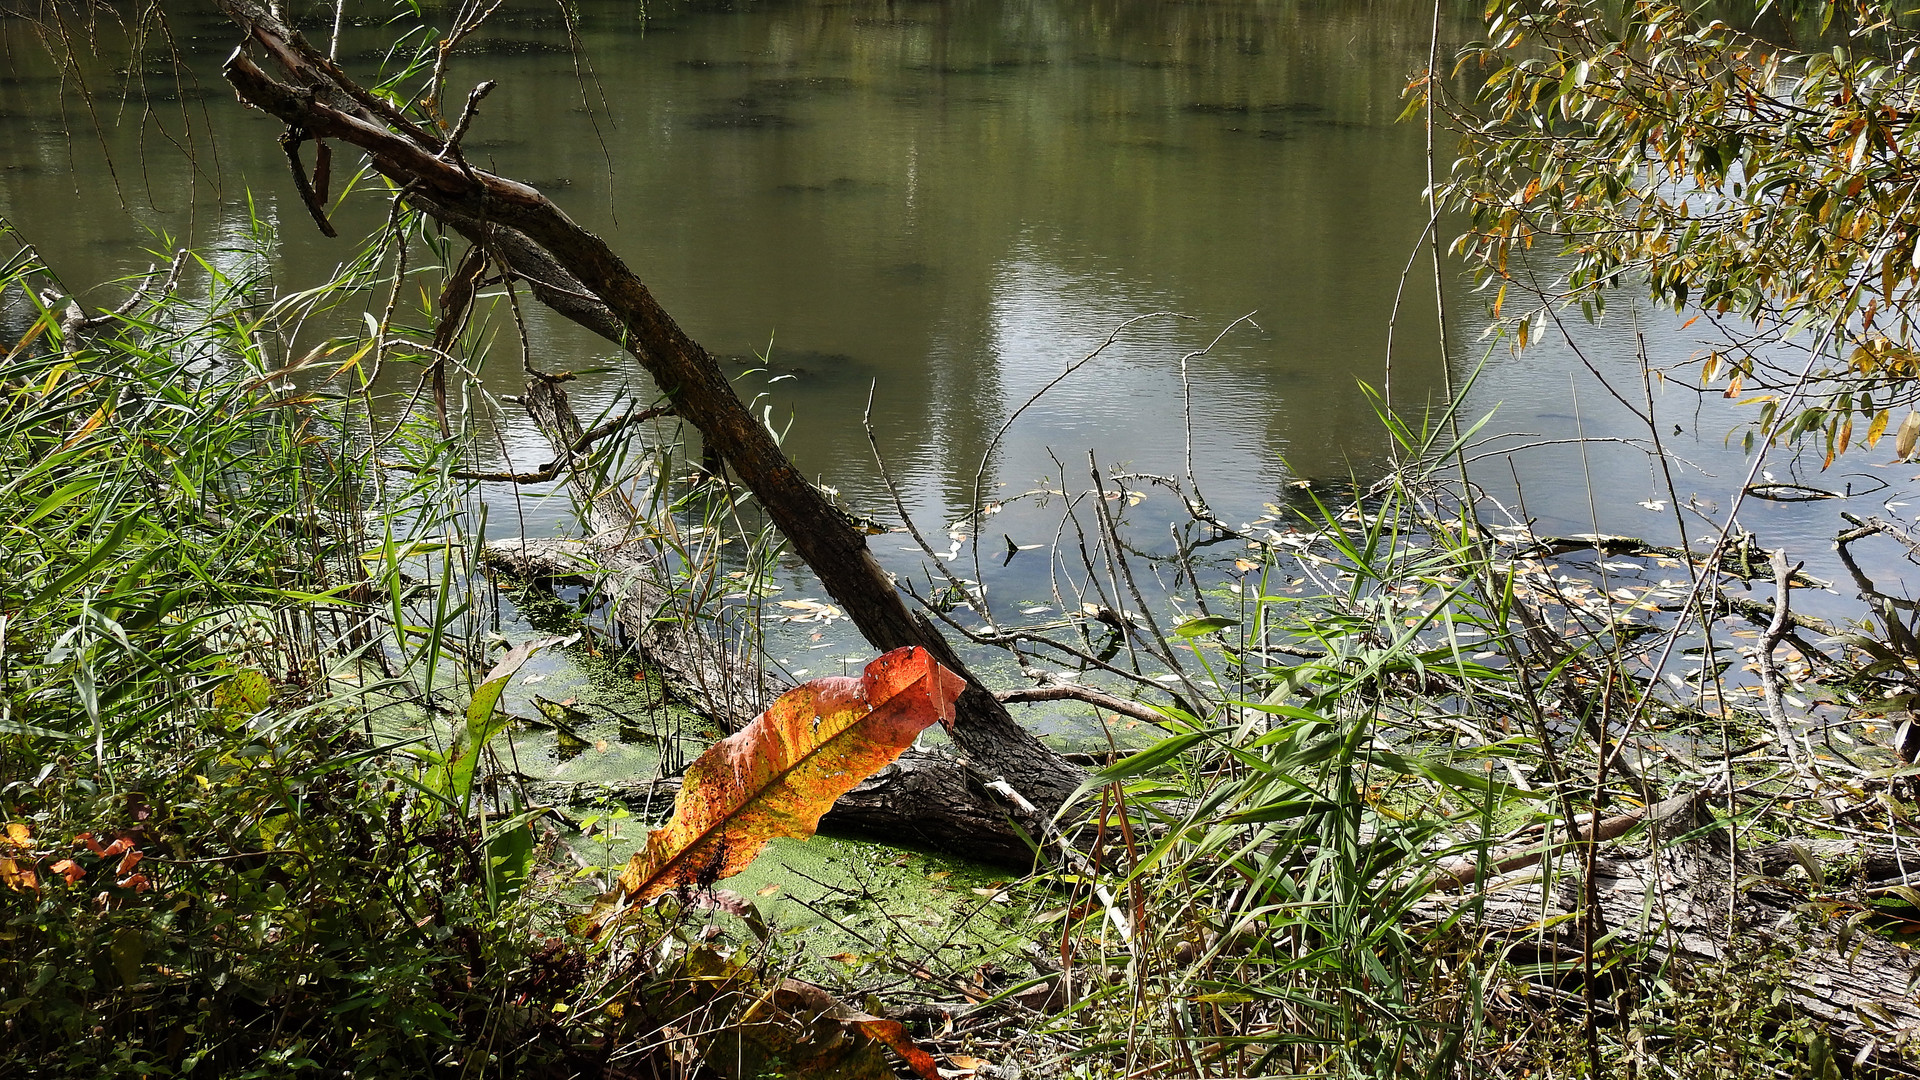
86	429
1877	428
354	360
16	875
39	327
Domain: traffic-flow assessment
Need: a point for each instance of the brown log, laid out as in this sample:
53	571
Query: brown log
581	277
1694	902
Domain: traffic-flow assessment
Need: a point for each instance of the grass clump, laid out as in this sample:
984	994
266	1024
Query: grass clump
208	865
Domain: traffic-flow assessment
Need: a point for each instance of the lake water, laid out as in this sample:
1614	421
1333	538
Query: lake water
940	206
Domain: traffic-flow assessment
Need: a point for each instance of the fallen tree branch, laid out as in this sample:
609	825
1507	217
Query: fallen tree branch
725	687
1737	561
580	277
1460	873
1869	526
1760	613
1671	904
928	798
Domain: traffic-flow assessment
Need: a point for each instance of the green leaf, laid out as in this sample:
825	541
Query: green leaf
115	538
242	695
484	722
62	497
148	616
16	727
1204	624
1152	757
129	948
1456	779
509	859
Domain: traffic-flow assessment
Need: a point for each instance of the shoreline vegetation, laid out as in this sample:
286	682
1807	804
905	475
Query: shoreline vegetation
1427	793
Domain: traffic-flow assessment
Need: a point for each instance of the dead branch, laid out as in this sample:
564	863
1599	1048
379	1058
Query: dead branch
579	276
1869	526
1459	873
1683	900
558	465
1763	656
1076	692
290	142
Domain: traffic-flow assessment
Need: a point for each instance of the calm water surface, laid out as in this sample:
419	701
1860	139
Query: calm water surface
941	205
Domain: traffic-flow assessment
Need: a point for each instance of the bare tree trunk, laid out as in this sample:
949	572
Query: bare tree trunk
578	275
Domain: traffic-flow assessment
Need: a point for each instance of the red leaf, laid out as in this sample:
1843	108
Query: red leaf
777	775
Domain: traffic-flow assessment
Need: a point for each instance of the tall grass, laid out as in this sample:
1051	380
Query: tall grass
210	862
1245	910
1356	706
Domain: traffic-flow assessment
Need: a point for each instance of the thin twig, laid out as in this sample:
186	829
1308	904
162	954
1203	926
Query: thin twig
1763	655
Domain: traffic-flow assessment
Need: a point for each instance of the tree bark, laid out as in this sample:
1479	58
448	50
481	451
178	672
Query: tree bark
580	276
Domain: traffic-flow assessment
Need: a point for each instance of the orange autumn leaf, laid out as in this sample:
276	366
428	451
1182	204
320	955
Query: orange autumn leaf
18	875
796	997
69	870
107	852
777	775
